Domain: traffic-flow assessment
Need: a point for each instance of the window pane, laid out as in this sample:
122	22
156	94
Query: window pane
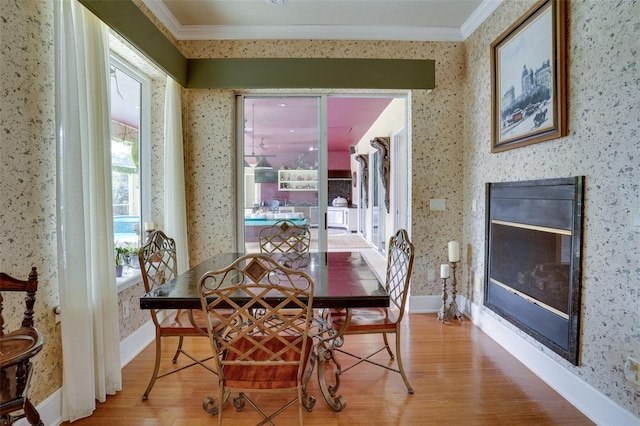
125	150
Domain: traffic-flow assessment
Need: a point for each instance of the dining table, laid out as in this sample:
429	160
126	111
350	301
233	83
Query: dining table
342	280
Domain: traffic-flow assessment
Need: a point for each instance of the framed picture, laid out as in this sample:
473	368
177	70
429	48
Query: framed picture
528	79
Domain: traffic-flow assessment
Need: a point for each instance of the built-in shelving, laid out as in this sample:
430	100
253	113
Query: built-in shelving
298	180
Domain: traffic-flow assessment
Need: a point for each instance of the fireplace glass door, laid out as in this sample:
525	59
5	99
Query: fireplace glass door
533	259
533	262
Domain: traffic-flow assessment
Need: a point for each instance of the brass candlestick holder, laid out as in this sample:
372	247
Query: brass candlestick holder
443	314
452	310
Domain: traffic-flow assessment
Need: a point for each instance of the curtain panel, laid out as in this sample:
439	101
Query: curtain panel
86	273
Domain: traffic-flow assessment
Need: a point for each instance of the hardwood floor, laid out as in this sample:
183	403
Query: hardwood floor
460	377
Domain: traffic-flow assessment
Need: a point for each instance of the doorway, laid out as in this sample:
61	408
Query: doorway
295	150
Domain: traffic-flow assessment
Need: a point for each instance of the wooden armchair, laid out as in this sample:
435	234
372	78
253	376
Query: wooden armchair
16	350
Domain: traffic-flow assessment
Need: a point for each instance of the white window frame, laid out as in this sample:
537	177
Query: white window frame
135	276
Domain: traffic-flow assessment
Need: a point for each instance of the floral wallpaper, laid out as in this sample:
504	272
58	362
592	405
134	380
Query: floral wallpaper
602	145
451	159
28	173
437	144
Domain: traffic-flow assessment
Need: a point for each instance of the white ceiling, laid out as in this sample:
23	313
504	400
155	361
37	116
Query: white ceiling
419	20
349	117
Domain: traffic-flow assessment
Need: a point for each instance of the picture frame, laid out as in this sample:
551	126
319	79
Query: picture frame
528	79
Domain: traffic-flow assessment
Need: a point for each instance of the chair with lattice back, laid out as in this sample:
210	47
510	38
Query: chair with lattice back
16	350
158	264
284	236
383	320
264	345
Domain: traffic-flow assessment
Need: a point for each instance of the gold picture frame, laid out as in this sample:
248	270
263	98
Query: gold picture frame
528	79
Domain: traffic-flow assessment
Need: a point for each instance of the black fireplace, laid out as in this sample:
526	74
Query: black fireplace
533	258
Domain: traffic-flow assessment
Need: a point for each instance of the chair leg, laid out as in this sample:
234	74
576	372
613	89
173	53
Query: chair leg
178	350
400	366
156	368
301	395
32	414
222	399
386	345
398	358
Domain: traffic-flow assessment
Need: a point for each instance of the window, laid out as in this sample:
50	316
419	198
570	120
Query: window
130	102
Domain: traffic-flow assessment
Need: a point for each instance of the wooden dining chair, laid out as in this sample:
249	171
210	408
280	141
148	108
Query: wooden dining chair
262	347
16	350
383	320
284	237
158	264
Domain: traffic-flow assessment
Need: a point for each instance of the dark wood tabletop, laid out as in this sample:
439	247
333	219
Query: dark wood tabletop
342	280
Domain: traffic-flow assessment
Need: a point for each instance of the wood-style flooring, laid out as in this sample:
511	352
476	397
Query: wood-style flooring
460	376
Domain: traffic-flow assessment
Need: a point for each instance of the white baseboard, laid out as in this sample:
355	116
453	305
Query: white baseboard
591	402
51	408
424	304
133	344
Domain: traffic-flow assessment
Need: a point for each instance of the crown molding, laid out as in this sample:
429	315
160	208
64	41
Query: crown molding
316	32
483	11
320	32
164	15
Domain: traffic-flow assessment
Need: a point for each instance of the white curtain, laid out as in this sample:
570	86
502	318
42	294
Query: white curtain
175	205
86	276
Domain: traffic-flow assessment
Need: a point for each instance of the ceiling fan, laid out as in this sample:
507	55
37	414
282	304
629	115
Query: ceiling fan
262	159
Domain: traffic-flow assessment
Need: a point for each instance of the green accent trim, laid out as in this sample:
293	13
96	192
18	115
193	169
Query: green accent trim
128	20
257	73
339	73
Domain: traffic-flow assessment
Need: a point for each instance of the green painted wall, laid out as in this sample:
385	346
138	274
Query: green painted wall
128	20
311	73
242	73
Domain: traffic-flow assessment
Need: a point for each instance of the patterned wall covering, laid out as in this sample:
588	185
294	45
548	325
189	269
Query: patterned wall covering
604	88
451	160
28	173
437	143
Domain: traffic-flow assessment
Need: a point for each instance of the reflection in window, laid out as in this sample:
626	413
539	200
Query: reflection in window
126	92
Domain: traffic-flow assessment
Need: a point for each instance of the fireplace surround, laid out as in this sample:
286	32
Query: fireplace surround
533	259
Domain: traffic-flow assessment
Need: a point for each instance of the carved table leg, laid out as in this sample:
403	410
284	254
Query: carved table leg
324	353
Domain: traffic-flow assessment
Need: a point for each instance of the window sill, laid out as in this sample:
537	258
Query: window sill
129	278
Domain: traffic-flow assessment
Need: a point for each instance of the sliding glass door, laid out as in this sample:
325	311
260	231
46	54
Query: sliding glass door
309	159
281	164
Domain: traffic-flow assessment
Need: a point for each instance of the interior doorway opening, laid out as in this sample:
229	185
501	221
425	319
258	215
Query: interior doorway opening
298	160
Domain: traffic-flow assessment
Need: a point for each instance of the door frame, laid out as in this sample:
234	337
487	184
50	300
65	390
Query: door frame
323	96
322	161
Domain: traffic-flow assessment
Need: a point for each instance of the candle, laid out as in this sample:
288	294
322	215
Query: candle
454	251
149	226
444	270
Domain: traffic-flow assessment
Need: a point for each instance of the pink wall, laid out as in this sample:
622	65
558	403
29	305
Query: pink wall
339	160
